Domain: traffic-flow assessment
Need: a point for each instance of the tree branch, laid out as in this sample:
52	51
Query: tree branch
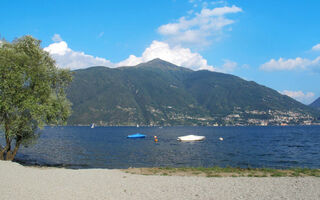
8	140
8	143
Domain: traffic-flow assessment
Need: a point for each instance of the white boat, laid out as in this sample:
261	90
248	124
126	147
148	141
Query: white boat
191	138
92	125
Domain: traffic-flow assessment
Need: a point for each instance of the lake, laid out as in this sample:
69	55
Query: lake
108	147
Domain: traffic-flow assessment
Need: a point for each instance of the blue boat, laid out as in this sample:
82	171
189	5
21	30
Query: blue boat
137	135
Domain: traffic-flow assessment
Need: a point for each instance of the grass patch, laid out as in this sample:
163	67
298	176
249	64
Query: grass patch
225	172
164	174
279	174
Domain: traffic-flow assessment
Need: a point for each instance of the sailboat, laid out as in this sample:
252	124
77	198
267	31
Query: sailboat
92	125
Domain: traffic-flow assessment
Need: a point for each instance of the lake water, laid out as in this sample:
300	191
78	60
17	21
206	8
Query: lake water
108	147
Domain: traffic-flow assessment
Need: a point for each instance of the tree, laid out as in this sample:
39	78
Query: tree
32	93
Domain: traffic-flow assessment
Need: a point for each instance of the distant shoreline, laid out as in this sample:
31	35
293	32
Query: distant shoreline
141	126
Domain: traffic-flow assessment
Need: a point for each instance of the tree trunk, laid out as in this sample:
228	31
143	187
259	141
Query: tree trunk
8	144
4	151
11	154
1	155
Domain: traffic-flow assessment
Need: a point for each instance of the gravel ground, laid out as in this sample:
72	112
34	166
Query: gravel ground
19	182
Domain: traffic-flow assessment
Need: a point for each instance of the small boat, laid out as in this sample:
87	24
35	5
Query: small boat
137	135
92	125
191	138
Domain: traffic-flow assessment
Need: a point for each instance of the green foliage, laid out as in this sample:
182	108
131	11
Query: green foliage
32	89
160	93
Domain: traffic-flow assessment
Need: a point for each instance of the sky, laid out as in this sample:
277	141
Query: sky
274	43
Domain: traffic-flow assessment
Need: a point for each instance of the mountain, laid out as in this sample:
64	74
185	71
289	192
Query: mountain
161	93
316	104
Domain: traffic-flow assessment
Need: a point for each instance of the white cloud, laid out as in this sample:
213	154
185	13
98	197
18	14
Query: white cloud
316	47
290	64
297	63
67	58
59	48
227	67
56	38
177	55
306	98
192	30
219	11
198	30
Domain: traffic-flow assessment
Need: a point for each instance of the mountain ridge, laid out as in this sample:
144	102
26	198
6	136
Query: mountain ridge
316	104
161	93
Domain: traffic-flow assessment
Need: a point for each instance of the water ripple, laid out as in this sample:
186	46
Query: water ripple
108	147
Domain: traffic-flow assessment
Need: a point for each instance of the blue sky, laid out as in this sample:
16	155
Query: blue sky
274	43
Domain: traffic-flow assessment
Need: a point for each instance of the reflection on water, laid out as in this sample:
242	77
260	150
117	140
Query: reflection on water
108	147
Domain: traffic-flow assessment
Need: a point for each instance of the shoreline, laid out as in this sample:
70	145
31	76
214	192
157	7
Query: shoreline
167	126
214	171
225	172
20	182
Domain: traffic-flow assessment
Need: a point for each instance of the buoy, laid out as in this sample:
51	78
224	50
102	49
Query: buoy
221	138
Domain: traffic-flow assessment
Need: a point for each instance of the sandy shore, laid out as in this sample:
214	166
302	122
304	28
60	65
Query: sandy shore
19	182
